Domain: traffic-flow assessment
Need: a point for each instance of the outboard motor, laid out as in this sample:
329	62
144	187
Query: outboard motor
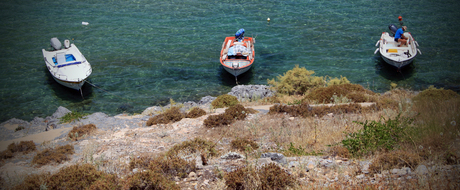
239	35
55	43
393	29
66	44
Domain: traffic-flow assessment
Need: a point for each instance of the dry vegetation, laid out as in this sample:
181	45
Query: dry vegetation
401	129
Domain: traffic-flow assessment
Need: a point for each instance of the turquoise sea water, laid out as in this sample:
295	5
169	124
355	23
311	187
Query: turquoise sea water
146	52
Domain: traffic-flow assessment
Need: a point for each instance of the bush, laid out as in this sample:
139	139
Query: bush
305	110
224	101
435	94
171	115
72	116
337	81
80	132
149	180
394	159
193	146
376	136
72	177
195	112
296	81
57	155
243	144
236	112
326	94
270	176
23	146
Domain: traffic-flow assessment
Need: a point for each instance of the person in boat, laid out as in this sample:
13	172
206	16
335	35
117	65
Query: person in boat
239	35
401	24
399	36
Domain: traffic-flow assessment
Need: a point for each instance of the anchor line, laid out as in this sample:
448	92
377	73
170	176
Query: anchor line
107	91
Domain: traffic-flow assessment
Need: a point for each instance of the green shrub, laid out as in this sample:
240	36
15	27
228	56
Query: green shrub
296	81
195	112
243	144
80	132
171	115
337	81
381	135
72	116
224	101
58	155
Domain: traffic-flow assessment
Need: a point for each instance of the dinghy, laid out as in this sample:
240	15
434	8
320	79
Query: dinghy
393	52
237	53
67	65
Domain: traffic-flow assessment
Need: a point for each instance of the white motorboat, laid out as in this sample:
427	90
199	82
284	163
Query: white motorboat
395	54
67	65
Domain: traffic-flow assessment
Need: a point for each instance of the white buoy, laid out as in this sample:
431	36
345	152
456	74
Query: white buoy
84	23
268	19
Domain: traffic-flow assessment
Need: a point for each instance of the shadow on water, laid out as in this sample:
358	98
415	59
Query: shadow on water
68	94
391	73
228	79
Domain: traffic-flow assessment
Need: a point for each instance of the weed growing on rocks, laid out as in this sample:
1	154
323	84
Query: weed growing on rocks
377	135
73	177
80	132
224	101
171	115
57	155
270	176
195	112
193	146
168	165
72	116
243	144
23	146
394	159
149	180
305	110
355	92
236	112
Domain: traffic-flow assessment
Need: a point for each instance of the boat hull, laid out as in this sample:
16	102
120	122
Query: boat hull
237	72
68	66
72	85
234	61
394	55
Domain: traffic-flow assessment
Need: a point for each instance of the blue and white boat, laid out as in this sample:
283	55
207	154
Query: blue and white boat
67	65
395	54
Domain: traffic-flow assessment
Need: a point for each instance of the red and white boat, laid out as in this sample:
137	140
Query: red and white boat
237	55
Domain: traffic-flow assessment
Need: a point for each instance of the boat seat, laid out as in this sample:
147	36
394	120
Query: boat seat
60	57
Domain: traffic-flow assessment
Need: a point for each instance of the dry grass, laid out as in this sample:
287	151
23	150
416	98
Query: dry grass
81	132
57	155
173	114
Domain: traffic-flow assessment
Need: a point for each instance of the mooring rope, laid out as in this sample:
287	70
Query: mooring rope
107	91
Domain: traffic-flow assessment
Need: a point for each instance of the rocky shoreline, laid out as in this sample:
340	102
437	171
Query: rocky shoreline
120	138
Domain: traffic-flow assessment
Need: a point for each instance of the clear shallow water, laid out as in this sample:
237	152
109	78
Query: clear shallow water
145	52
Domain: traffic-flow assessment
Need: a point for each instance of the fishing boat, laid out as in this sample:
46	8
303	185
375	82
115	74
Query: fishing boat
393	52
67	65
237	54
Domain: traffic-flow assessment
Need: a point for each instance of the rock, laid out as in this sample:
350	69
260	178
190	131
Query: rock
60	112
206	100
251	92
421	170
192	175
361	176
264	161
277	157
310	165
232	156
